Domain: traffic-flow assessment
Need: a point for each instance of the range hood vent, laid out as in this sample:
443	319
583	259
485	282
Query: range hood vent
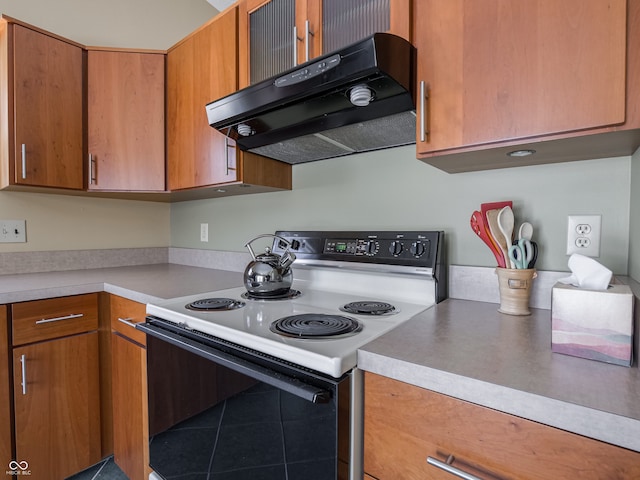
358	99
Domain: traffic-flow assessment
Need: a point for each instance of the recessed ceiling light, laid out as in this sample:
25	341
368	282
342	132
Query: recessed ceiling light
521	153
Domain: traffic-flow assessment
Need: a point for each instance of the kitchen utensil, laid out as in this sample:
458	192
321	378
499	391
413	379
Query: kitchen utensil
525	231
494	229
506	222
521	254
534	257
479	226
269	274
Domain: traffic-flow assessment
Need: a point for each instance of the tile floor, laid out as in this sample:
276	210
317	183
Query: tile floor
105	470
260	434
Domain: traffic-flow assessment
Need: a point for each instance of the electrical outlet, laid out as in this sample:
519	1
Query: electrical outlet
583	235
13	231
204	232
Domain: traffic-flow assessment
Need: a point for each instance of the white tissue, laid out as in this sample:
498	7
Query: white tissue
587	273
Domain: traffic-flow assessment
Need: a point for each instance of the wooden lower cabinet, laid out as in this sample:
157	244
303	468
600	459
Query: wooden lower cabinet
56	386
405	424
57	405
6	442
129	388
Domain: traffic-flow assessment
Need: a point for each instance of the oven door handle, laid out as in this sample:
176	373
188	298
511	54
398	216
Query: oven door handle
281	381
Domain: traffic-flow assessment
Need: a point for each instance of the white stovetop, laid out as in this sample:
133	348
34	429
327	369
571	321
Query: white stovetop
249	326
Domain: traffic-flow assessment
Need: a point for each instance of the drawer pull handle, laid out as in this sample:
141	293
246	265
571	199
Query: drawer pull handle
447	467
58	319
127	321
23	361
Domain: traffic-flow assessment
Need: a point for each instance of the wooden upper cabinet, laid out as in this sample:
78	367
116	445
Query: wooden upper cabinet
125	91
200	69
503	71
276	35
42	90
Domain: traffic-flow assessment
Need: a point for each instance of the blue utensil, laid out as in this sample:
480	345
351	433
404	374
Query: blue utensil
521	254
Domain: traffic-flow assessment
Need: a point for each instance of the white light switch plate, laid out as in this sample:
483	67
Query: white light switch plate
13	231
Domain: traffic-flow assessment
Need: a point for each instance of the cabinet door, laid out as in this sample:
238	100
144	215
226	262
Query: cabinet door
57	405
199	70
130	412
279	34
125	121
5	391
498	70
48	90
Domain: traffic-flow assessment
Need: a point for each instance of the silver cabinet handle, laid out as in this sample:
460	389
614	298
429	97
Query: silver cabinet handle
127	321
447	467
423	114
24	161
227	147
306	40
295	45
92	176
58	319
23	361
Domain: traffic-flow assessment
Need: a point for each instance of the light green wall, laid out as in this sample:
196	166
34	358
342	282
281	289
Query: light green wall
634	218
390	189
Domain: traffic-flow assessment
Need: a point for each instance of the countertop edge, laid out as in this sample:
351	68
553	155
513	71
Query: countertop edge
589	422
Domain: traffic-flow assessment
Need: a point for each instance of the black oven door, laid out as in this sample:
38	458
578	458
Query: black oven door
221	411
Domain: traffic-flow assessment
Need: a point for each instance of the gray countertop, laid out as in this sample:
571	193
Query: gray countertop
468	350
144	284
461	348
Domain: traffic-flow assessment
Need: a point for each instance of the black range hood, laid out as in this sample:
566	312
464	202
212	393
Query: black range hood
311	112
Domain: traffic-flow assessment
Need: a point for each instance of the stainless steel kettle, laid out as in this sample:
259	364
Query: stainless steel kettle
269	274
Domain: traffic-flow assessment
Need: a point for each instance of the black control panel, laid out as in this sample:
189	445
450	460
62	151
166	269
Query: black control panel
309	71
411	248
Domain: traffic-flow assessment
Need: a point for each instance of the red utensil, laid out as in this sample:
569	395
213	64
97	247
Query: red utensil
479	226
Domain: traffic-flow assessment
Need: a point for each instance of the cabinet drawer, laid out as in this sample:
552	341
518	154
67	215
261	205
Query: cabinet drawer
56	317
124	314
405	424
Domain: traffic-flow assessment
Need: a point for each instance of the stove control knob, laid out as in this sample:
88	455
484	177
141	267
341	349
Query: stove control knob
417	249
372	247
396	248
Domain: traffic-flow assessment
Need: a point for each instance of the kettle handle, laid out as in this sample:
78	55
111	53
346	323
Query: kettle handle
248	244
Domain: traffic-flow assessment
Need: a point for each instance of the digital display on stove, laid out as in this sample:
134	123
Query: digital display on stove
341	247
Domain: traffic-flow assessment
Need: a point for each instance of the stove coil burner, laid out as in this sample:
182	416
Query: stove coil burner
288	295
215	304
369	308
315	326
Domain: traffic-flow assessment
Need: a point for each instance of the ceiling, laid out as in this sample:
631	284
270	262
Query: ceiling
221	4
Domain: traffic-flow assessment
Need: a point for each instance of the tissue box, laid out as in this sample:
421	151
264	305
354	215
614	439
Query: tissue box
593	324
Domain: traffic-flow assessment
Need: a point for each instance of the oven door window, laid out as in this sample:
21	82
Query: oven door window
208	421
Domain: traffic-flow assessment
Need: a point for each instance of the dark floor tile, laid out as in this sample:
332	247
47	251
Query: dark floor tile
111	471
313	470
247	446
106	469
311	439
274	472
259	406
182	451
89	473
210	418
